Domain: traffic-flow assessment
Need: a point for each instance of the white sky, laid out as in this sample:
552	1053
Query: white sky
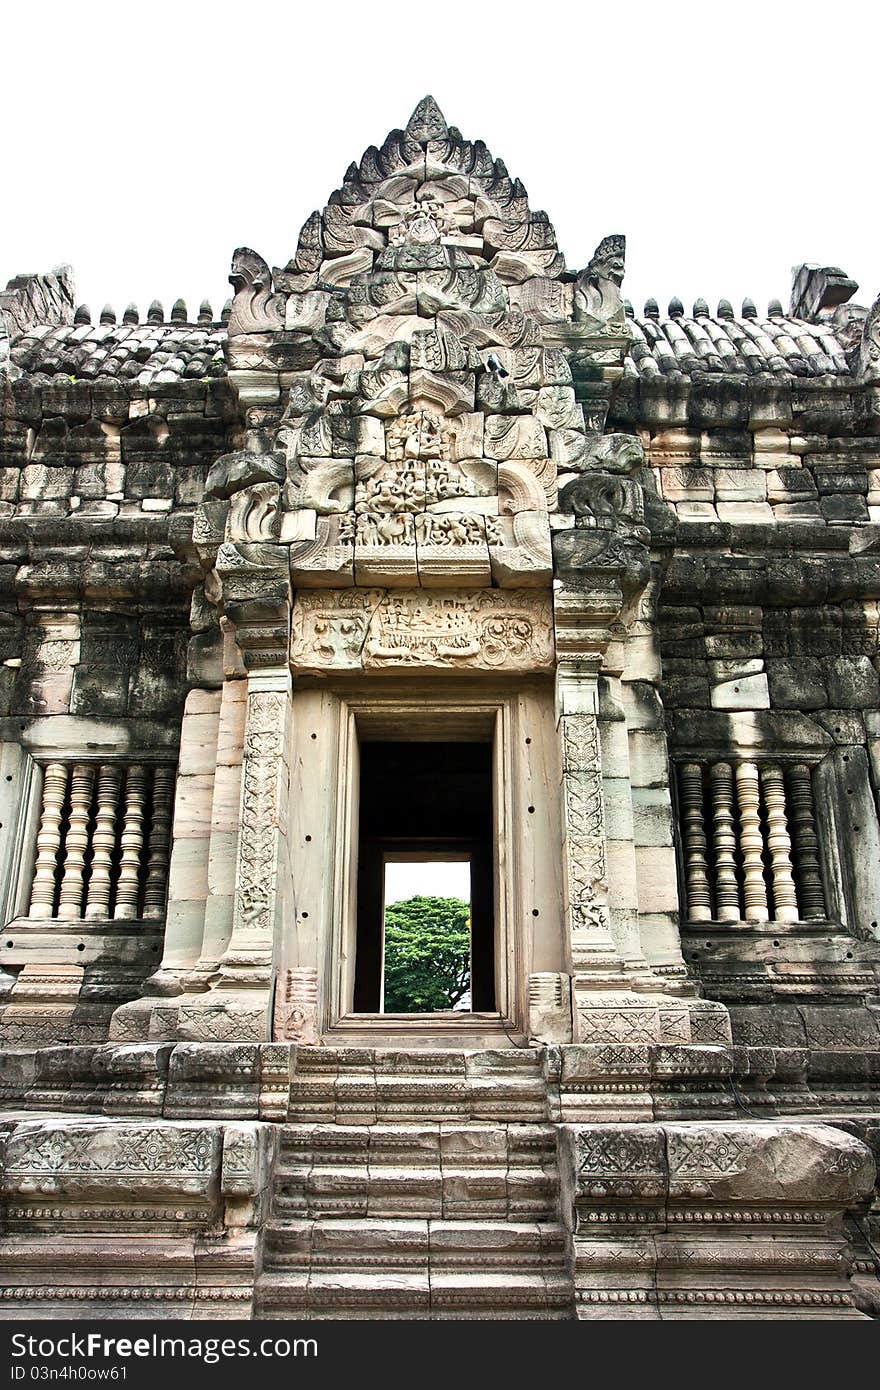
144	142
440	879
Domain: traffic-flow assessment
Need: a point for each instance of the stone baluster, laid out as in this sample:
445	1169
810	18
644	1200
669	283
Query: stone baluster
727	904
132	841
103	842
76	843
805	841
157	851
696	872
751	843
779	845
48	840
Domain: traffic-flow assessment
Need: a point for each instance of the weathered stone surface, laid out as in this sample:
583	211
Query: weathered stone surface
686	1182
467	497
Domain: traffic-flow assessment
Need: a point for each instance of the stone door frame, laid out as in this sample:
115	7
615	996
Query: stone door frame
518	720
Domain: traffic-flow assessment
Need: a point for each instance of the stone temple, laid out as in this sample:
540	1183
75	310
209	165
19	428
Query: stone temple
431	545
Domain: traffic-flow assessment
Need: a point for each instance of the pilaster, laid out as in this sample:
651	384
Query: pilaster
604	634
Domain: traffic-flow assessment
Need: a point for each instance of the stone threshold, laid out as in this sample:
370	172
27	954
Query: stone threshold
457	1031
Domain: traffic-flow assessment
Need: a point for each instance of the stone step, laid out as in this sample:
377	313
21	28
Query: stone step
435	1171
363	1085
450	1143
421	1062
416	1185
349	1097
424	1191
320	1293
400	1244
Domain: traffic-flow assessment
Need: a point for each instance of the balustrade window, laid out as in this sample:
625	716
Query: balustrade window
749	842
103	841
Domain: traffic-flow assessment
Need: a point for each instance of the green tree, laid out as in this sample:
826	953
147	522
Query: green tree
427	954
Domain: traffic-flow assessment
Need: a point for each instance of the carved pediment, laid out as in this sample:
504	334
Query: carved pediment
415	359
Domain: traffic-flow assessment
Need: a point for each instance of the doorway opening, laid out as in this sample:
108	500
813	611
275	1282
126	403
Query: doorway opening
425	891
426	956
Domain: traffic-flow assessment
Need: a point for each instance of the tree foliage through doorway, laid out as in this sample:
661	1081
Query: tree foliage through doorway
427	954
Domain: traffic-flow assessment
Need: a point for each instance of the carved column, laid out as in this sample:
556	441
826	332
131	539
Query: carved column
182	899
651	823
727	907
76	843
223	844
802	820
779	845
103	842
586	876
48	840
605	1010
699	900
751	843
602	565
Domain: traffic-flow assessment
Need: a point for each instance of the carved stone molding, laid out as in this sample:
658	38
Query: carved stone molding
492	630
264	749
296	1006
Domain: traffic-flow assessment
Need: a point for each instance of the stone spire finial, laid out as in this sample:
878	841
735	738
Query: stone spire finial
748	309
725	309
226	311
108	314
652	309
427	122
206	313
155	313
701	309
774	309
178	311
676	308
83	315
131	314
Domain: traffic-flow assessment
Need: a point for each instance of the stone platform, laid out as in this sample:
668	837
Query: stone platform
226	1181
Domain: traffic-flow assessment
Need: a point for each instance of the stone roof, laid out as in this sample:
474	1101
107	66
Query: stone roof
721	344
672	346
145	353
429	233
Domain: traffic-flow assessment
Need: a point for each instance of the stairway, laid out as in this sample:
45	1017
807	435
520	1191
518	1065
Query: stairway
416	1185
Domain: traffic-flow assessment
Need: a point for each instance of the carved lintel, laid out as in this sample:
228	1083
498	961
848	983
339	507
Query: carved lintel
373	629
